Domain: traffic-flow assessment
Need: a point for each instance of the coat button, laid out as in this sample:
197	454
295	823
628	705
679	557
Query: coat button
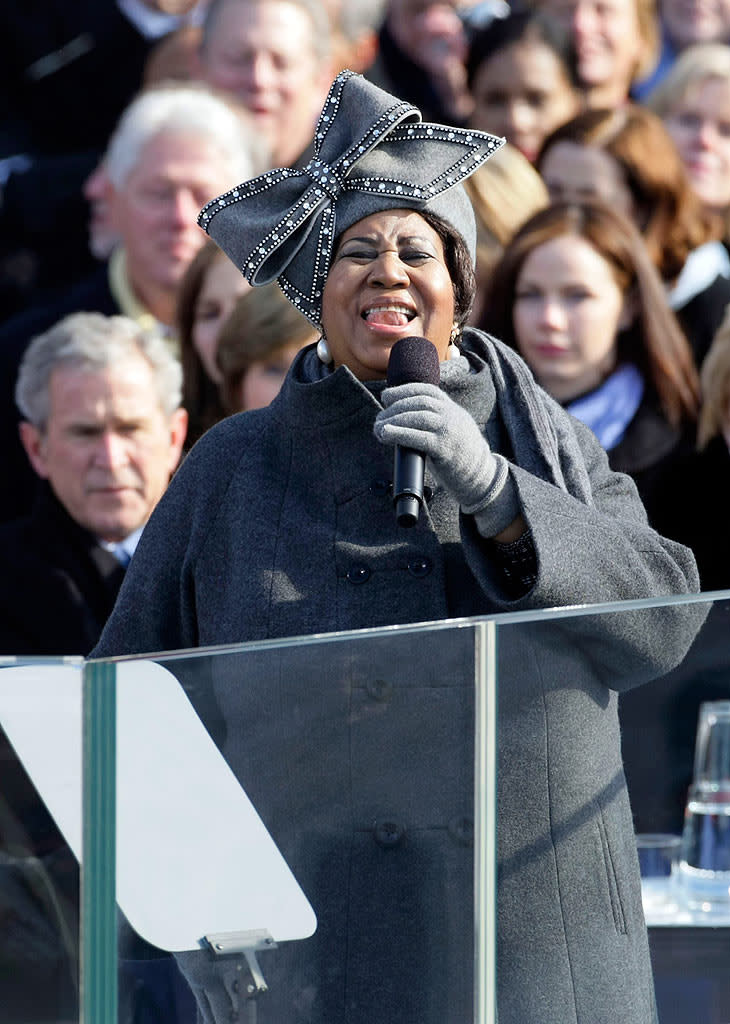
420	567
380	486
461	830
379	689
388	833
358	573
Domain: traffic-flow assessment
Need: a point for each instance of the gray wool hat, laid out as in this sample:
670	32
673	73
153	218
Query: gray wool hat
372	152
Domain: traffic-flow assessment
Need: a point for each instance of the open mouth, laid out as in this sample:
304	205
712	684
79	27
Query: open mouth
389	314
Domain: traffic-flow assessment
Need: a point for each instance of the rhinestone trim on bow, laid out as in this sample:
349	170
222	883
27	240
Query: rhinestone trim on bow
324	182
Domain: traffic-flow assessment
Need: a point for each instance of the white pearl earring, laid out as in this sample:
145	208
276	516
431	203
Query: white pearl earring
453	350
323	351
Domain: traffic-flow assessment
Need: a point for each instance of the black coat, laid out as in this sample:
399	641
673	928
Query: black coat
698	514
57	55
67	73
19	481
57	584
702	315
652	452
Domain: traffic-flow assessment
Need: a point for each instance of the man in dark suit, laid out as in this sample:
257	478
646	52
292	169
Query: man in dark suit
103	429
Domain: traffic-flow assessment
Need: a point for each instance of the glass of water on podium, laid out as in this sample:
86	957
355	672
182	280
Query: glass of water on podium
704	867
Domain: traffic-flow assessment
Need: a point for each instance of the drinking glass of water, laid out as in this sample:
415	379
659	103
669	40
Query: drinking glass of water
658	863
704	864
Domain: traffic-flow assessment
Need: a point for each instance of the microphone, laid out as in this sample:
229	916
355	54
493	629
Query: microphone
412	361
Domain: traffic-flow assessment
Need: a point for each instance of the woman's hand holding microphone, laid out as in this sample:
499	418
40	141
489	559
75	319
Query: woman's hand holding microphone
423	417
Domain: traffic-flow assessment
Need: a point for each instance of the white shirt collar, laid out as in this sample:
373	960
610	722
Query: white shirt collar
701	268
123	549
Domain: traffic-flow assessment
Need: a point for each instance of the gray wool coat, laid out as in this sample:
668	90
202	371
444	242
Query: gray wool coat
279	524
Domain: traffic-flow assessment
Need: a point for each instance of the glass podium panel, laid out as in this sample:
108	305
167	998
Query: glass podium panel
607	694
306	830
39	876
296	830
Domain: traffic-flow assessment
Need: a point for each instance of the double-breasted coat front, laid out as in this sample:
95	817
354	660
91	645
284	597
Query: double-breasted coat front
279	524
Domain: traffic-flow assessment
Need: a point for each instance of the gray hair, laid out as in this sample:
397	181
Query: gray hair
190	109
92	341
317	13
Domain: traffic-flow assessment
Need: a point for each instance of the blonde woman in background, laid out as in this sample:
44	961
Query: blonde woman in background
694	103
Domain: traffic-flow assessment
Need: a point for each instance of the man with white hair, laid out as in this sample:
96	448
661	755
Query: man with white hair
174	148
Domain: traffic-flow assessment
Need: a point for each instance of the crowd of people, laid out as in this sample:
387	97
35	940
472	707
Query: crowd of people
601	263
621	104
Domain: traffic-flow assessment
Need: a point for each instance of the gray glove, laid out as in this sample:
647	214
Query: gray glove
423	417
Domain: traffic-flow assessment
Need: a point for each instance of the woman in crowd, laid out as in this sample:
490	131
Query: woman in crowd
207	295
256	346
522	74
694	102
273	527
504	192
577	296
627	159
616	42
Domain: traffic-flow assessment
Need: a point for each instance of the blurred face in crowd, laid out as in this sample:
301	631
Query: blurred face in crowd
108	448
568	309
174	6
574	173
696	21
523	92
388	280
700	127
265	55
155	213
608	42
221	286
431	33
262	381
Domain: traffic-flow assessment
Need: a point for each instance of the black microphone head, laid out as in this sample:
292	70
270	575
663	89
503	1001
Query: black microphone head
413	360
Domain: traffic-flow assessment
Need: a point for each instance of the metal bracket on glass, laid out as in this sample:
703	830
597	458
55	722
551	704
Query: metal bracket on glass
247	943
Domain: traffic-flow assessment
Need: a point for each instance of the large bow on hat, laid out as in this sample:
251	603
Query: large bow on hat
371	152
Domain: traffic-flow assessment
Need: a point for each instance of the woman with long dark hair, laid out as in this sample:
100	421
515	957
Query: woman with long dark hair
576	294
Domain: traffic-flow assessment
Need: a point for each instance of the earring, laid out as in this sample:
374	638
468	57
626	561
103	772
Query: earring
323	351
453	349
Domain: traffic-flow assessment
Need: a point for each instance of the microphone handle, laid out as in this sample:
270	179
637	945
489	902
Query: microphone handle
408	471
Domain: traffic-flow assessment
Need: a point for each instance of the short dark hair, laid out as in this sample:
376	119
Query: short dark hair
518	25
458	263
